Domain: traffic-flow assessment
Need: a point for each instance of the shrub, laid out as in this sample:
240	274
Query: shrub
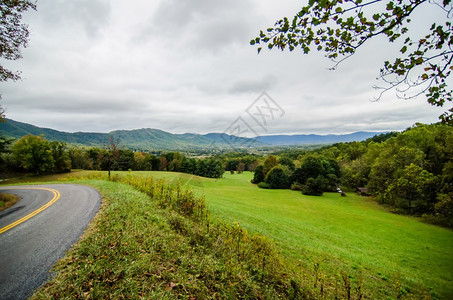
285	161
277	178
259	175
264	185
296	186
314	186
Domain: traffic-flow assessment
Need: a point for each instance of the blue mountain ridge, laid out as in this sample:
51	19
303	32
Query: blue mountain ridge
155	139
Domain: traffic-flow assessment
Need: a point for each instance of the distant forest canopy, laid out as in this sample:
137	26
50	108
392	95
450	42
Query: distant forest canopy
412	171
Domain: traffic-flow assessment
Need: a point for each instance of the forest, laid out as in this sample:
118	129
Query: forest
411	172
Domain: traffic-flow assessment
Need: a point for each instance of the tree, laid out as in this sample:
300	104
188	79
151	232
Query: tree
240	168
189	166
258	176
14	34
444	209
285	161
95	157
125	159
140	162
62	161
4	149
414	185
314	186
163	163
312	166
109	157
34	154
209	167
232	165
270	162
276	178
80	159
340	27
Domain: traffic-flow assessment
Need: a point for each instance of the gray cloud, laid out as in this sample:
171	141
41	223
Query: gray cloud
201	25
255	86
91	15
187	66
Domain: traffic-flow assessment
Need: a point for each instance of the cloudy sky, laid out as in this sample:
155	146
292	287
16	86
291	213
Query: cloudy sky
187	66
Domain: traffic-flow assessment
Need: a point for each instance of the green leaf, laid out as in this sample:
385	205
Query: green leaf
390	6
338	10
403	50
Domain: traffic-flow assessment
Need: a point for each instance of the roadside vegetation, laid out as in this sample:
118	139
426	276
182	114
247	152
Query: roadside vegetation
7	200
153	240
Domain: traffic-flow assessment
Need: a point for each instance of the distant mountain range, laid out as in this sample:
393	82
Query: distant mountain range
154	139
300	139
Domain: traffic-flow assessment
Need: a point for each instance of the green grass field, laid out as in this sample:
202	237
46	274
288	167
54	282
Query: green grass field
382	251
352	233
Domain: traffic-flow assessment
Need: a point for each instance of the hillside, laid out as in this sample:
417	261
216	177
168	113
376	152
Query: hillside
139	139
155	139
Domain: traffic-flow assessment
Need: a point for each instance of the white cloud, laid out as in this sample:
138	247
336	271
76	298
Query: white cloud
188	67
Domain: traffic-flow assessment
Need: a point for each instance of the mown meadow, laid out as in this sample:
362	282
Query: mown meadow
329	246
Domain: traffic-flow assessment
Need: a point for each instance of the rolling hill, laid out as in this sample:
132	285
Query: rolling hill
155	139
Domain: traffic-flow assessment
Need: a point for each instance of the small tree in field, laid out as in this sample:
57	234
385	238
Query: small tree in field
111	155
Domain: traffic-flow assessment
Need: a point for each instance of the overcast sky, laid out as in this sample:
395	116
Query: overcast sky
187	66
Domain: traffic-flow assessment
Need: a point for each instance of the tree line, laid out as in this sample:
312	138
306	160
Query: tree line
35	154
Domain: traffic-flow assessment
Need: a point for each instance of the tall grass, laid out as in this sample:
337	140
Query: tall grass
153	240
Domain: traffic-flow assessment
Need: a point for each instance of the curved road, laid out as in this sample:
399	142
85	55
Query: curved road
29	249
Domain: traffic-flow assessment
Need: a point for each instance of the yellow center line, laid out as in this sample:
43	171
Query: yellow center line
34	213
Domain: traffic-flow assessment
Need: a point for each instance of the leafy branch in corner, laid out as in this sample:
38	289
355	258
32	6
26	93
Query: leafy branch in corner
340	27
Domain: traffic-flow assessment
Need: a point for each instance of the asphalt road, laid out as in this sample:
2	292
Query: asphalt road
30	249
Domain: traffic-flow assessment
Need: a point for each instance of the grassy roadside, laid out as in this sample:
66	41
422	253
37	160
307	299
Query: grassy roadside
138	247
7	200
